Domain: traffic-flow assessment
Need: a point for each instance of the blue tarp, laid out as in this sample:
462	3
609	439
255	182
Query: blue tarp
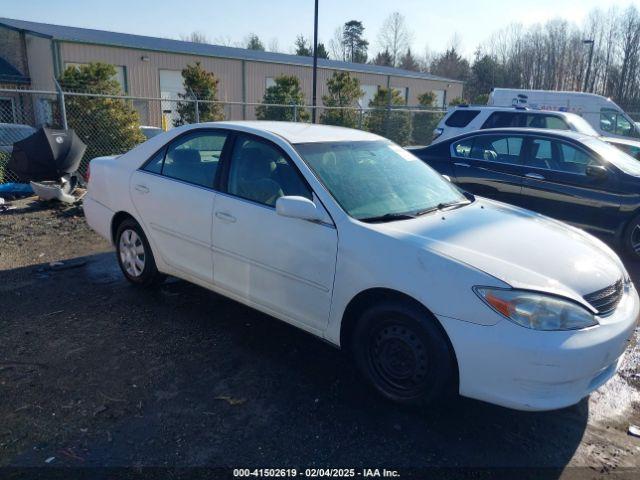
16	189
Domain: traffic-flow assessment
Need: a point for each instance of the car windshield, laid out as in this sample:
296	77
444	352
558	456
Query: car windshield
617	157
378	179
582	126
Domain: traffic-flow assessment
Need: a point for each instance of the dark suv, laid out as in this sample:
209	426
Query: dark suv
567	175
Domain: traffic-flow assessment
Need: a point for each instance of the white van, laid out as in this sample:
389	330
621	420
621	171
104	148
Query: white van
602	113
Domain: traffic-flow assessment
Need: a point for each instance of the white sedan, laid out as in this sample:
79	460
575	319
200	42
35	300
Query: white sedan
353	239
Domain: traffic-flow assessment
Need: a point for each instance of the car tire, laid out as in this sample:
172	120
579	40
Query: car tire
404	354
135	256
631	239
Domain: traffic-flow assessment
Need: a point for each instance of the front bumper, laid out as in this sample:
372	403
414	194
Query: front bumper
525	369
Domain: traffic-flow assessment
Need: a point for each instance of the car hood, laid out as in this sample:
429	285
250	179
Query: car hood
521	248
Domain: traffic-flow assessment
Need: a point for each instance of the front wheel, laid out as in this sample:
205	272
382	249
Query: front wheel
404	354
631	238
134	255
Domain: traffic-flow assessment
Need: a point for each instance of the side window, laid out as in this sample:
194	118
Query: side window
501	120
461	118
497	148
557	123
154	165
261	173
559	156
194	158
623	126
574	160
462	149
613	121
607	120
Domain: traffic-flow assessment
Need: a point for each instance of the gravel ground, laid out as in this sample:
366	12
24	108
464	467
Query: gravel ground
94	372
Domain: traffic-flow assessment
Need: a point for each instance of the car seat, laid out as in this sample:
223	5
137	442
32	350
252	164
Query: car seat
254	177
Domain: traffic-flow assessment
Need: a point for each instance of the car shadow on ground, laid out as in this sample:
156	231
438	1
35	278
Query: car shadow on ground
181	376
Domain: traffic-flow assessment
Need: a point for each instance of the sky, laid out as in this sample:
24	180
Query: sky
432	24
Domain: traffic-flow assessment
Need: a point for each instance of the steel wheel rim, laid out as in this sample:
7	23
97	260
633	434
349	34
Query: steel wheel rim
635	238
132	254
399	358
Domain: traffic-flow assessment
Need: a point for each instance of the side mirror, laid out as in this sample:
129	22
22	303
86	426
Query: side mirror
298	207
596	171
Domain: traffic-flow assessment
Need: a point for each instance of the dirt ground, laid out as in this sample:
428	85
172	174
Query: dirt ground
95	373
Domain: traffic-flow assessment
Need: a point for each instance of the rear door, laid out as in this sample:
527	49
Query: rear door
489	165
556	184
174	196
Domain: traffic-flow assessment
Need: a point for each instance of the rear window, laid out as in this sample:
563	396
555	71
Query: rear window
461	118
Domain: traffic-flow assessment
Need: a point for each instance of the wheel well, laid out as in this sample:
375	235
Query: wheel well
372	296
118	218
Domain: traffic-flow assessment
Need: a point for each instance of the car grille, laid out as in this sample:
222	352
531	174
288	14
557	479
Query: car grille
606	300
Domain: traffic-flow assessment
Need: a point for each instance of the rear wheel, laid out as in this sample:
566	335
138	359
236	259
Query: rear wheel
134	255
403	353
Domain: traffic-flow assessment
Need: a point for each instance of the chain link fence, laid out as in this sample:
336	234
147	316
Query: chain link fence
112	125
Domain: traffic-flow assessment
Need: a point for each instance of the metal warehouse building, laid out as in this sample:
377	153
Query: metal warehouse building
32	54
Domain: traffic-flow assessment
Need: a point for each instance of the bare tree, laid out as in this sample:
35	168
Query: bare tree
336	45
274	45
394	36
195	37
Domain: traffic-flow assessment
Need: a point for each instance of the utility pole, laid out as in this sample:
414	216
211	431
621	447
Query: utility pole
315	63
586	78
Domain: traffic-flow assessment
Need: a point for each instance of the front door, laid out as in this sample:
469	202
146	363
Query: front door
489	165
556	184
173	194
284	265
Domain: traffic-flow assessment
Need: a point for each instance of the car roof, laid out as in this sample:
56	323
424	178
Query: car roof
535	111
546	132
299	132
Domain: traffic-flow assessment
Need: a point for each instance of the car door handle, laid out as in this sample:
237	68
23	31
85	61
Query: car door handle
142	188
459	164
535	176
226	217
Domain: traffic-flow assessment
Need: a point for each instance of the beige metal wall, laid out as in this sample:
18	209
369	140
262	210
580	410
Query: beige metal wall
142	67
143	78
40	58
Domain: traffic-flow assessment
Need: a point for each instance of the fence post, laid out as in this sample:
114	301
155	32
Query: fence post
195	105
360	118
63	108
295	112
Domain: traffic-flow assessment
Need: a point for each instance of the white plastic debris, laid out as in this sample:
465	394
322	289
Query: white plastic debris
50	459
634	431
51	191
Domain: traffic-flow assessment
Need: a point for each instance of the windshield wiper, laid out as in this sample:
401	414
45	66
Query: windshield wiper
457	203
442	206
388	217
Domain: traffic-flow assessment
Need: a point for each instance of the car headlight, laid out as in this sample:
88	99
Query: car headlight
537	311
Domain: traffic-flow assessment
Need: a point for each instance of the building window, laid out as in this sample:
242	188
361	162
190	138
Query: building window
7	110
120	76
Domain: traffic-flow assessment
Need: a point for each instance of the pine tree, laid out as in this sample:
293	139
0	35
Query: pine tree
283	101
344	92
204	85
386	119
108	125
